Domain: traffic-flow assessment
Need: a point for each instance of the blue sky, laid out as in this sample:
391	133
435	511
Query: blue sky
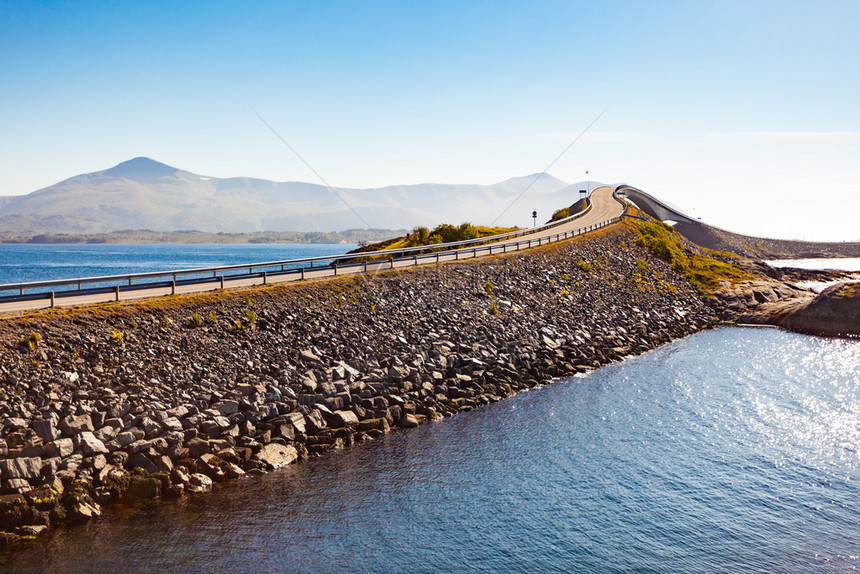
742	113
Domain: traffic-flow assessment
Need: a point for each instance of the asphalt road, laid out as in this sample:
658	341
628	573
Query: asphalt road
603	208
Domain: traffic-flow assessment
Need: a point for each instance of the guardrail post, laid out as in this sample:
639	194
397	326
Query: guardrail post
303	272
116	291
415	259
437	257
365	265
222	282
392	262
173	287
334	266
265	278
52	299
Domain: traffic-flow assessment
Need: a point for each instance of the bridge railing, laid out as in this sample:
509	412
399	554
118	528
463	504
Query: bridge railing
273	271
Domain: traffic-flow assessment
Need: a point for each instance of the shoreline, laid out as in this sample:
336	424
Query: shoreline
129	402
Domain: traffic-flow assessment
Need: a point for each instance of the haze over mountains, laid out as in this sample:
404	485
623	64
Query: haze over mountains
144	194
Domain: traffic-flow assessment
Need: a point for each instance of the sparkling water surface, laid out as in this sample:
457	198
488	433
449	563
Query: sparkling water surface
733	450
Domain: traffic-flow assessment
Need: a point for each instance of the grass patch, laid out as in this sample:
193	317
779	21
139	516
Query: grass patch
31	341
489	287
584	266
443	233
562	213
721	254
703	272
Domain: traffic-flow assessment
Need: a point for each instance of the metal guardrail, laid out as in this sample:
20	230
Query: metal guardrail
117	284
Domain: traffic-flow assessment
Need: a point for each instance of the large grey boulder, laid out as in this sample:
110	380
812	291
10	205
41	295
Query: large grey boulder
89	445
340	419
277	455
834	312
61	447
227	407
23	467
73	425
125	438
46	430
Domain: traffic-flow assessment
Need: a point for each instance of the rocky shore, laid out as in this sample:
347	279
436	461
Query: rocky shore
771	296
125	402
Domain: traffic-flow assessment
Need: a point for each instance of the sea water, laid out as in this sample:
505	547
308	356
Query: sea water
37	262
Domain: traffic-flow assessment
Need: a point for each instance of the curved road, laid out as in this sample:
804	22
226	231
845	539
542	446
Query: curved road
603	208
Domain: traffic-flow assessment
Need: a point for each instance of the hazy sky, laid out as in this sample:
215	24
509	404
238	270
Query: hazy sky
744	113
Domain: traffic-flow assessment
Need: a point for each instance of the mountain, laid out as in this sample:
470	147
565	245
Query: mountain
145	194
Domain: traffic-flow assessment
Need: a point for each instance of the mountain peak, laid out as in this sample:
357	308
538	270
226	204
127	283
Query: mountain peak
142	169
541	178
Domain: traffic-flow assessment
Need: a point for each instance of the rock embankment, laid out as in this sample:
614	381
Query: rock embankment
161	398
763	248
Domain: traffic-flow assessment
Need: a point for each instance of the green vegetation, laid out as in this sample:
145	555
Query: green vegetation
643	265
212	318
196	319
236	325
493	309
562	213
165	321
851	289
116	337
489	287
31	341
584	266
659	239
251	316
444	233
721	254
702	271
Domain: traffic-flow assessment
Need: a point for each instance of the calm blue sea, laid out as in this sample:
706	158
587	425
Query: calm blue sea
733	450
25	262
841	264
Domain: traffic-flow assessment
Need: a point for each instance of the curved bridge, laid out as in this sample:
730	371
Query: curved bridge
654	207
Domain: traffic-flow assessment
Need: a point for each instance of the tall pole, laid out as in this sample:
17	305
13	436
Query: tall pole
587	185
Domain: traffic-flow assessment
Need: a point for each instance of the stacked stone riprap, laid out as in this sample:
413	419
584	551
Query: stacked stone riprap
146	401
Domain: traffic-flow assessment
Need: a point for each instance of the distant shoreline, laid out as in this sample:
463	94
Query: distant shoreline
349	236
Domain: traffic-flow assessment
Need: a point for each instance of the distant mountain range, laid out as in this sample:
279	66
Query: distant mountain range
144	194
